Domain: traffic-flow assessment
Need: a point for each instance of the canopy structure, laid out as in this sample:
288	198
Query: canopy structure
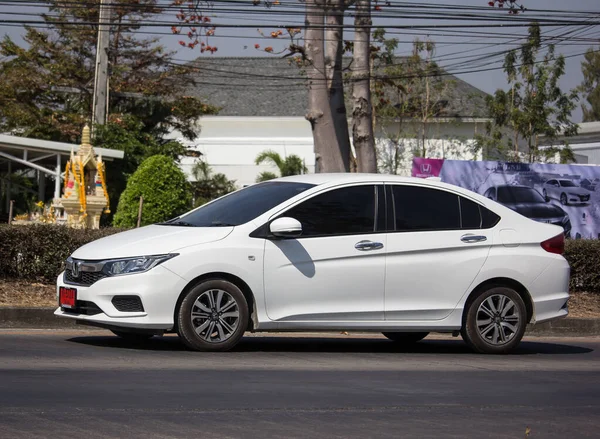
22	155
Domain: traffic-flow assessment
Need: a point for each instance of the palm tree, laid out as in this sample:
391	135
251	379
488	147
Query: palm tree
291	165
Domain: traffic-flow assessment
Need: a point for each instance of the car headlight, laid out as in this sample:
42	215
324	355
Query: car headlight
141	264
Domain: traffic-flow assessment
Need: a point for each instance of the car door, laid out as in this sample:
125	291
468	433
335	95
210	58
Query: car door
437	248
335	271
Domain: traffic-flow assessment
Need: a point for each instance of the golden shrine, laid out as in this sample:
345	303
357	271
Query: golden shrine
84	194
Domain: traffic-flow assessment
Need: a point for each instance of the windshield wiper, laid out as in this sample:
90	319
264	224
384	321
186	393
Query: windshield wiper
178	223
220	224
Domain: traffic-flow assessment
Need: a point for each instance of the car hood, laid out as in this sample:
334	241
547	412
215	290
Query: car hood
537	210
576	190
149	240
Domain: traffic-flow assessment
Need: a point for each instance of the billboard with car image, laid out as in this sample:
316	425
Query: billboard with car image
565	195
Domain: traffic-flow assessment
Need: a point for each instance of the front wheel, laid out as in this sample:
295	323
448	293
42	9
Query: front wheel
563	199
546	197
406	337
495	321
213	316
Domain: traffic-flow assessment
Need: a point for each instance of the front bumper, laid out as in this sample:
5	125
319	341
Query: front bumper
158	290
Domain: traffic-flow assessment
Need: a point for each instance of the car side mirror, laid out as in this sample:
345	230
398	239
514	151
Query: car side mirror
286	227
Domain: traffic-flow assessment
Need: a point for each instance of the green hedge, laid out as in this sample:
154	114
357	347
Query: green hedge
38	253
584	257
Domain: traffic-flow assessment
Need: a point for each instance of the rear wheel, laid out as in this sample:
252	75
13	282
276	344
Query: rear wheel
406	337
495	321
132	336
213	316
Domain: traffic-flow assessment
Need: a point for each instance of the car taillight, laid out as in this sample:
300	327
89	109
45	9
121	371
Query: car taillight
555	245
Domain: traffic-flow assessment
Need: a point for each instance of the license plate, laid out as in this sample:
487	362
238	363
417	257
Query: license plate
67	297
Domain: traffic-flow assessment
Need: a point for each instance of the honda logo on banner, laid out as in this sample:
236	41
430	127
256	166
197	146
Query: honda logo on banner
426	168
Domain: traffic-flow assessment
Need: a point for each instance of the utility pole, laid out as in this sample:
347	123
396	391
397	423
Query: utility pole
100	102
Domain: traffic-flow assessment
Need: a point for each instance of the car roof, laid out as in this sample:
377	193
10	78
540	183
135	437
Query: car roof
348	177
334	179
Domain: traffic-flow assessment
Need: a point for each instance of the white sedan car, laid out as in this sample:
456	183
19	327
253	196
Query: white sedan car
337	252
565	191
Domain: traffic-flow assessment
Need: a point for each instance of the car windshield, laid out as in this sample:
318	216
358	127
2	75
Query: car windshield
241	206
512	195
567	183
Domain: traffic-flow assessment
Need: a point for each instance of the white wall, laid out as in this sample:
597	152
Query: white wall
230	144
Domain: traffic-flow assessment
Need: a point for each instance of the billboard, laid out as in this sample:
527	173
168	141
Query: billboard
565	195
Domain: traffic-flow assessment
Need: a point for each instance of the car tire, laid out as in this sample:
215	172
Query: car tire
213	316
563	200
494	327
133	336
406	337
546	197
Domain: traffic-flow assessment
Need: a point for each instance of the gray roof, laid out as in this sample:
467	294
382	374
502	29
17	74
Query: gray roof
274	86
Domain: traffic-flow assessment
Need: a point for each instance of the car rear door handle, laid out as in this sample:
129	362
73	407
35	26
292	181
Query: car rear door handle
368	245
473	238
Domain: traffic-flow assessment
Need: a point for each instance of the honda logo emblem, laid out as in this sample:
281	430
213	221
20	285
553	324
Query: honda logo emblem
76	268
426	168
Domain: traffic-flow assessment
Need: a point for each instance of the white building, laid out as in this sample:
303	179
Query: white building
262	106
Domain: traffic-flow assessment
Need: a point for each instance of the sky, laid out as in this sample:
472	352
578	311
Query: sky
460	53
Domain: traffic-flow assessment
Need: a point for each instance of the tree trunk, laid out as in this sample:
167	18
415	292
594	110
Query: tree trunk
335	82
327	150
362	123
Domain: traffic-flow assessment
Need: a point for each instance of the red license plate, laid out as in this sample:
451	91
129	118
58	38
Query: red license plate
67	297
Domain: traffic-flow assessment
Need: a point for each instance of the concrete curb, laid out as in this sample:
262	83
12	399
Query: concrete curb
44	318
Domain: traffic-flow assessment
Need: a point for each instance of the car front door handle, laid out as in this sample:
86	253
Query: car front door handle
368	245
473	238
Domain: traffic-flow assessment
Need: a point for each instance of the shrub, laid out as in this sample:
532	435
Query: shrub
584	257
165	190
38	252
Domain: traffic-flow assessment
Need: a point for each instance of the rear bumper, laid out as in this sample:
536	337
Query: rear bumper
550	292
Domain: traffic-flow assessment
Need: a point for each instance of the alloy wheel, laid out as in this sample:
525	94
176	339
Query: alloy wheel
215	315
498	319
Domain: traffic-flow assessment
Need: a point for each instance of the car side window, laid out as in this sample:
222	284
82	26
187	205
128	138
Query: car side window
344	211
421	209
470	215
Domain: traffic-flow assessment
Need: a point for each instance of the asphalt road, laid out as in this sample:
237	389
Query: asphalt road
93	385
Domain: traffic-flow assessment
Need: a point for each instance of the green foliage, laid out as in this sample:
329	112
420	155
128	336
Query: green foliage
590	86
127	134
291	165
582	255
408	94
165	190
534	109
209	186
265	176
36	253
46	90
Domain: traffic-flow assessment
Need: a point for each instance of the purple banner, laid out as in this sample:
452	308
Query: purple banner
565	195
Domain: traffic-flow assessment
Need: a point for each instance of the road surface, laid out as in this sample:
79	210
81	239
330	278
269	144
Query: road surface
90	384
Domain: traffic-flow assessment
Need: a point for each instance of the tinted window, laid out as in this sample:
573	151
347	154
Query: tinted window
420	209
567	183
344	211
488	218
242	206
517	194
469	214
